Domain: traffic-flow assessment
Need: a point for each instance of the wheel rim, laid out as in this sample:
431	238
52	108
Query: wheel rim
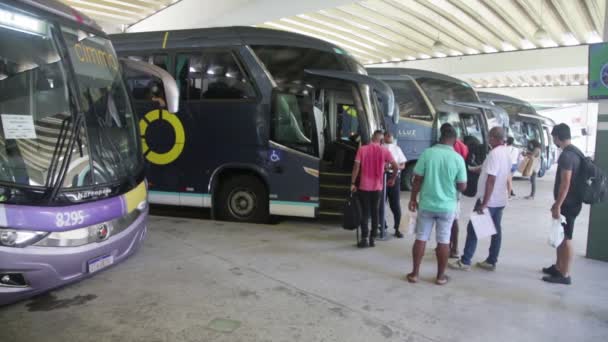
242	203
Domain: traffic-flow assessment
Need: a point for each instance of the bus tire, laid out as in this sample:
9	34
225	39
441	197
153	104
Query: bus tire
407	177
243	198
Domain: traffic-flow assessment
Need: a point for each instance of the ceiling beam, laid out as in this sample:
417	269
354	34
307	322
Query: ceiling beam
361	53
439	25
485	15
367	35
307	26
386	26
405	17
465	22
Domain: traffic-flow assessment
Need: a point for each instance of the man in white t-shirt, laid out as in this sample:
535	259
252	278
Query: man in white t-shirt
393	192
492	195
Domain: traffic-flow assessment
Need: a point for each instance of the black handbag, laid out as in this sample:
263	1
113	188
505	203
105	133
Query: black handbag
352	213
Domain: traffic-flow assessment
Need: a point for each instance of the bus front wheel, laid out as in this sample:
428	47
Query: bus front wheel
243	199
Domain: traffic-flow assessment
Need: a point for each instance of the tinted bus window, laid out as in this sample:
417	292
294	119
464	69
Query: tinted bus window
293	122
348	122
410	102
439	90
287	64
161	61
212	75
453	119
515	108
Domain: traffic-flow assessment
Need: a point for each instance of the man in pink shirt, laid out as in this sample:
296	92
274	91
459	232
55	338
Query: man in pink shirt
369	163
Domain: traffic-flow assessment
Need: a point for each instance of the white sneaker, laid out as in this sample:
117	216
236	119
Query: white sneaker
486	266
458	265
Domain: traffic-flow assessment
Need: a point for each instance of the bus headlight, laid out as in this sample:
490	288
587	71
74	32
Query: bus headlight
19	238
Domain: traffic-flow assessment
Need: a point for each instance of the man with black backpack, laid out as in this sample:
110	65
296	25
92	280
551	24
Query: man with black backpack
568	201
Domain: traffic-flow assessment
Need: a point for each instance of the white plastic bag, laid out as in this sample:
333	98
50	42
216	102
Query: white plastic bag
411	217
556	232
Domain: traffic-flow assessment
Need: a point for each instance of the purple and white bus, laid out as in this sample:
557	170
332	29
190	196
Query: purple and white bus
73	199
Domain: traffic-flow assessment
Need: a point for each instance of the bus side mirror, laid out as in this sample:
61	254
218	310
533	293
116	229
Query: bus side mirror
170	87
396	115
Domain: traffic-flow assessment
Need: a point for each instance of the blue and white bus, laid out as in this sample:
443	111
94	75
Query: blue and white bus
269	124
525	124
426	100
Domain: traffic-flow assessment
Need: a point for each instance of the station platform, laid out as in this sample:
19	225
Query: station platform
301	280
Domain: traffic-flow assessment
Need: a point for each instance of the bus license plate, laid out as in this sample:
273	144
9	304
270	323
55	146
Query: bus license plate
100	263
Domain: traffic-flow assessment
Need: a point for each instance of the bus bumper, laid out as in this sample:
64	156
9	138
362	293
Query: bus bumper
46	268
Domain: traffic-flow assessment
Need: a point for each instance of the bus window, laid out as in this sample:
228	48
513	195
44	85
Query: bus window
189	76
451	118
287	63
161	61
216	75
439	90
409	100
293	122
348	122
472	126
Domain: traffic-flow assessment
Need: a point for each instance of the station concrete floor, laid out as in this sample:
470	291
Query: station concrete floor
300	280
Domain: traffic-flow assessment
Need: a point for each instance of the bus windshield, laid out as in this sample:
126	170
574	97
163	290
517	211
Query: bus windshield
439	91
41	128
410	101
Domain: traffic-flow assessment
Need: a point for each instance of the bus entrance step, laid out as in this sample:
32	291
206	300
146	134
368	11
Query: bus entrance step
335	178
330	214
334	191
332	203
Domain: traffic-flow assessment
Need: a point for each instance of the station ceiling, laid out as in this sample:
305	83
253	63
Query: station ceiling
119	12
378	31
498	45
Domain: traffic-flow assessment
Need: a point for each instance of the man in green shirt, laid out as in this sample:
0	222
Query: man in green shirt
439	174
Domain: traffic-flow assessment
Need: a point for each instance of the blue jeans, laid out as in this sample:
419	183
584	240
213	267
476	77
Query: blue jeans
471	244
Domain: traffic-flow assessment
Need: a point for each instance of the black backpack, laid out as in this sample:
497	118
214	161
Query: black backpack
352	213
477	154
592	181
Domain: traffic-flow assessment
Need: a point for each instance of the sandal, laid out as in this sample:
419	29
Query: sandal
443	280
411	278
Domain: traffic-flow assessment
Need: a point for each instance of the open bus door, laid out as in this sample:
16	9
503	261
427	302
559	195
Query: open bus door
346	112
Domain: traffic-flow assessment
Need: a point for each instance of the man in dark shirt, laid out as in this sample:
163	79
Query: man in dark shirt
568	202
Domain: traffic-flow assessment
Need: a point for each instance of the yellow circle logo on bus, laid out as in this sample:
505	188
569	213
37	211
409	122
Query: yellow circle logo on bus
180	137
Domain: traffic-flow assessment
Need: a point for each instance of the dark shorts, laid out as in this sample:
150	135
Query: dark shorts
570	212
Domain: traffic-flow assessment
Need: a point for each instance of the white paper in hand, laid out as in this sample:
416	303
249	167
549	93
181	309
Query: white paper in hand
483	224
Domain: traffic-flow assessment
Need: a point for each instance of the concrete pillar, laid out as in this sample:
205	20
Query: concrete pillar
597	241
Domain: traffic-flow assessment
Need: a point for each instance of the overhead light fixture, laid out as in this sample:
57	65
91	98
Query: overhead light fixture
593	37
541	35
527	45
568	39
424	56
410	58
439	46
489	49
508	47
440	54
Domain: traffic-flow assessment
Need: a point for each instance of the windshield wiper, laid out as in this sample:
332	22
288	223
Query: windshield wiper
114	155
66	139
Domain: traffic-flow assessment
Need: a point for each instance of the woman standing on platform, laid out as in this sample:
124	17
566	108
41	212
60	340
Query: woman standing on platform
534	154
